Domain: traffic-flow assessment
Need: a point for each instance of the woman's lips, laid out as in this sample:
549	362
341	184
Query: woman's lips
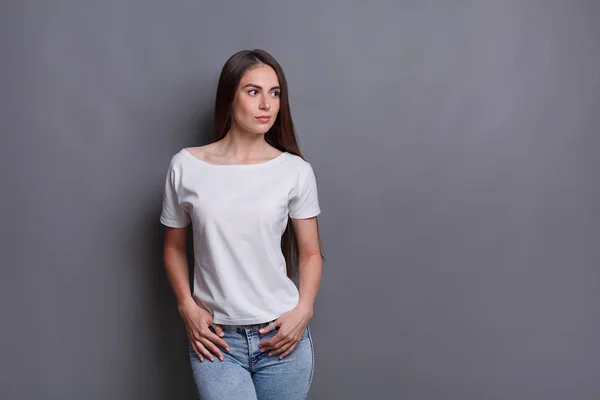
263	119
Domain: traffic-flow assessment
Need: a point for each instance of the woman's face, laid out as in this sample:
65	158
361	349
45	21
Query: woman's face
257	96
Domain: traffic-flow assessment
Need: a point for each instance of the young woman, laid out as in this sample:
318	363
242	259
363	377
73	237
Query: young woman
252	201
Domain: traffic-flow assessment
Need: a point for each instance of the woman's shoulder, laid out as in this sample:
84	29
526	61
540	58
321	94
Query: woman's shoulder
298	161
202	153
192	154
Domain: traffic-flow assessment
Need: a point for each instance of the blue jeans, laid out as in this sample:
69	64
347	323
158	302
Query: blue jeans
247	374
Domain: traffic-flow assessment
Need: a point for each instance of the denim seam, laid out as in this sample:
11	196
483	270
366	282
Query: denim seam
250	357
312	368
192	369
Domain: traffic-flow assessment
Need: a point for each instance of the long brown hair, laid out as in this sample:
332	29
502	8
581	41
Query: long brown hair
281	135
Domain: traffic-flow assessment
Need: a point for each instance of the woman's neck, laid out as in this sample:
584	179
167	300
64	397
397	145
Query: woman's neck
244	146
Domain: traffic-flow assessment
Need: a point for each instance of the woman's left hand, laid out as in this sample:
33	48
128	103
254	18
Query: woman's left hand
292	325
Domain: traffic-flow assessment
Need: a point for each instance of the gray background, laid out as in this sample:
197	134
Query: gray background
454	144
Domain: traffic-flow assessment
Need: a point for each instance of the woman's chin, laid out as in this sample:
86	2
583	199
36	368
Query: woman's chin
257	130
261	131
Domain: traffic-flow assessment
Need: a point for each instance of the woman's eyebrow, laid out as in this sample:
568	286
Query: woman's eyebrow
260	87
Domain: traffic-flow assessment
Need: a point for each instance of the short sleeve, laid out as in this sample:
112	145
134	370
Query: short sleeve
173	214
305	201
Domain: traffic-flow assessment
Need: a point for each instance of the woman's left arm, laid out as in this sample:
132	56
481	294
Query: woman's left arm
310	267
292	324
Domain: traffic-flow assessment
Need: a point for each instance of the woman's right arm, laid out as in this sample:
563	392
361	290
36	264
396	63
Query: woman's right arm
197	319
176	265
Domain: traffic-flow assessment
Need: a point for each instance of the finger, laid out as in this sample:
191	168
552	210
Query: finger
279	344
198	353
264	346
275	342
288	351
269	343
201	352
204	351
210	335
208	338
279	341
271	326
219	330
212	348
282	349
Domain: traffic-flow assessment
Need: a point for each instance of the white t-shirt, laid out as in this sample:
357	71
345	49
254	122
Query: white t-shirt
238	215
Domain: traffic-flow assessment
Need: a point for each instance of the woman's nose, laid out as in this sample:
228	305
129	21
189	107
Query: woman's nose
265	104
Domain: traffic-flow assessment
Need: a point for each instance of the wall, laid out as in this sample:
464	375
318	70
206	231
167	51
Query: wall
455	149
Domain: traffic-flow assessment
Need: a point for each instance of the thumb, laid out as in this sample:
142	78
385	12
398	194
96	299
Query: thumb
219	330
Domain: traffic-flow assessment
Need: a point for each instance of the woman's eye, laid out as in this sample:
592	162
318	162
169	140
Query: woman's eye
276	94
251	92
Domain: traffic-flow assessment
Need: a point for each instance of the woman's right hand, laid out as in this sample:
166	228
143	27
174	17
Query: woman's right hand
197	323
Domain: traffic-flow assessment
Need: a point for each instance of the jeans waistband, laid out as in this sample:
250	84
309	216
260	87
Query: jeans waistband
249	327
